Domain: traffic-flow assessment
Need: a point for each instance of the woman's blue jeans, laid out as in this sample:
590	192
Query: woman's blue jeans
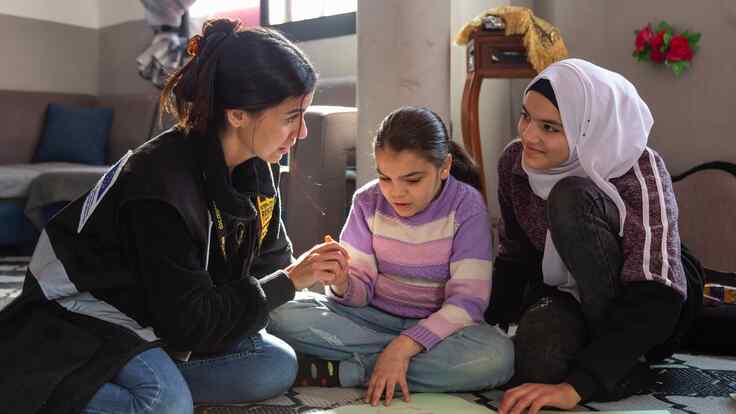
257	368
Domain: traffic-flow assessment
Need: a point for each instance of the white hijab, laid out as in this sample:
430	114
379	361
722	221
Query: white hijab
607	125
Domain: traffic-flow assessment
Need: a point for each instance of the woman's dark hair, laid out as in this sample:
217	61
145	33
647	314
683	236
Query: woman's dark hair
422	131
233	68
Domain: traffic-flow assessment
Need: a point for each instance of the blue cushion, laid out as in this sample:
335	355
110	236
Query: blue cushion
75	134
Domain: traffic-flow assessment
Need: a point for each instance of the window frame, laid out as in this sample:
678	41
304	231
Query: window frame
313	29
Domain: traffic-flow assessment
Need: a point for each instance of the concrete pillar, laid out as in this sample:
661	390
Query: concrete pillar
403	59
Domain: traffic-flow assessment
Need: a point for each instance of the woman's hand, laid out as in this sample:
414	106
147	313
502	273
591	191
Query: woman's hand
390	369
535	396
322	263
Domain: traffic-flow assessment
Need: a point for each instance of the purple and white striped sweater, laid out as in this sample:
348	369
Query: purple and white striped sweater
434	266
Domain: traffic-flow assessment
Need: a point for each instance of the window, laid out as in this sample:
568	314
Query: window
298	19
285	11
247	11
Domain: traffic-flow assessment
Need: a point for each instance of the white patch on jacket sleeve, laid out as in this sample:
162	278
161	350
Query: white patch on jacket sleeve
95	196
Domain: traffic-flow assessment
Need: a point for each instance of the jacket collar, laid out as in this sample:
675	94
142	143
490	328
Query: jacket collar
232	194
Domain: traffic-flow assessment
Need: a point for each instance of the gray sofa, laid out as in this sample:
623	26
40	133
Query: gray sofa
317	182
319	179
27	187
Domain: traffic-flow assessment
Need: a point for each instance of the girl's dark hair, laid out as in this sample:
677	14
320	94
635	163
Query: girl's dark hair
233	68
422	131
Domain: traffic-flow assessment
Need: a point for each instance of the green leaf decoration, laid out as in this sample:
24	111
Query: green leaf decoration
663	25
666	41
679	67
693	38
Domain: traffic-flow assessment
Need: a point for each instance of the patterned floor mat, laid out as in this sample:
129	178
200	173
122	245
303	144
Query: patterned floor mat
686	384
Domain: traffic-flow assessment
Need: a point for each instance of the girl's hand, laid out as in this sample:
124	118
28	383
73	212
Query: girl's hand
339	284
535	396
390	369
321	263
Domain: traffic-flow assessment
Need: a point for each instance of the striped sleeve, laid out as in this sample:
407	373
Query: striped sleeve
468	290
651	242
357	238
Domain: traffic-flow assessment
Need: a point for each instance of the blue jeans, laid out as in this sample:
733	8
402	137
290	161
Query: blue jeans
257	368
473	358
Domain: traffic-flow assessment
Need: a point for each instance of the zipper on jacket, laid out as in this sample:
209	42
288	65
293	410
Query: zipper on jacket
254	247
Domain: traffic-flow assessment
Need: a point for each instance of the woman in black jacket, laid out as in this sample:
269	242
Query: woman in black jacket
152	291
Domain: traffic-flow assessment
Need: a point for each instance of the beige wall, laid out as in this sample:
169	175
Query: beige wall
693	114
84	13
120	44
334	57
114	12
40	55
90	46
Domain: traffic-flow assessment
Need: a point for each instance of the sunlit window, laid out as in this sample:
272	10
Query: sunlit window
283	11
247	11
297	19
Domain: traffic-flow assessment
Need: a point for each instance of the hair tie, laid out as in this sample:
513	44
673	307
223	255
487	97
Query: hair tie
193	45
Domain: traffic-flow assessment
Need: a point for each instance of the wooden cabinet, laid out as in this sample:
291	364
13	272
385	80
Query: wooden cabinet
489	54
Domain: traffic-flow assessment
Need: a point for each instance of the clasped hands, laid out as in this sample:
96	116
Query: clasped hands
325	262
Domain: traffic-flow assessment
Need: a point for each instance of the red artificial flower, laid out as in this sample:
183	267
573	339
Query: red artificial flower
662	45
657	42
679	49
644	38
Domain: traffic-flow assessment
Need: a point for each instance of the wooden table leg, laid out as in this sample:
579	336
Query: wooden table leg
470	123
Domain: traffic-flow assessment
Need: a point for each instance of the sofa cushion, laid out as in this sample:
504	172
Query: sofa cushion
75	134
16	179
25	112
314	192
338	91
60	185
135	116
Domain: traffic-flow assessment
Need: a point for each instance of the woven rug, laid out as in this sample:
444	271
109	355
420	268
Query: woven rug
685	383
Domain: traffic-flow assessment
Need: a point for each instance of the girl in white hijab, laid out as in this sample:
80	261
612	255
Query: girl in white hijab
590	261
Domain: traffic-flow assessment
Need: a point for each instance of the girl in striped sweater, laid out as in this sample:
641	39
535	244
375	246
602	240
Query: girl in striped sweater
409	312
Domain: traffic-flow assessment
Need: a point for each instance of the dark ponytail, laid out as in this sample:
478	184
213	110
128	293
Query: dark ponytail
234	68
421	130
463	167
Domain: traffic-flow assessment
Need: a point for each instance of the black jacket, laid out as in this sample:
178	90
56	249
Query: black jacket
136	263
